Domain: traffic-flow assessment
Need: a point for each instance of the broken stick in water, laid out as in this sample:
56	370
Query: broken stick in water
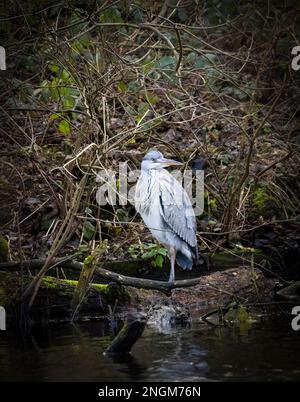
131	331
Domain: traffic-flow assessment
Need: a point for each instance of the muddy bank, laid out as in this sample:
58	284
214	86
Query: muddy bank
241	284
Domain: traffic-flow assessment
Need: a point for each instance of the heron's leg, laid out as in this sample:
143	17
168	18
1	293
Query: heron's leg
172	256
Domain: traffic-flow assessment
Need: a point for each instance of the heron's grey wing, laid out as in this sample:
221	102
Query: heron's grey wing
177	210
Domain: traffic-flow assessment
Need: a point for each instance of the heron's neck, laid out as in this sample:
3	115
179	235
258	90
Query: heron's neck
150	178
152	172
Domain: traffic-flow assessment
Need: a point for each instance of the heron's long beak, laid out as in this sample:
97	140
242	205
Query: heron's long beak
169	162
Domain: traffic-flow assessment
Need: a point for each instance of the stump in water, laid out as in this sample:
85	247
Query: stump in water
131	331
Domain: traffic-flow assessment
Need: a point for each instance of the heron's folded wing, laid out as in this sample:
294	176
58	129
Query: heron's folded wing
176	209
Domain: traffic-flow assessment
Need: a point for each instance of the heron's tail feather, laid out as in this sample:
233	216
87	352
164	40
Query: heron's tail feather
183	261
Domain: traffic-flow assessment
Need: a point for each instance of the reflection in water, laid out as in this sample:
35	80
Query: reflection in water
266	351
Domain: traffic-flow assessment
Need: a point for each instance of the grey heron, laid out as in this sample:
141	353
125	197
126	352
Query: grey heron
167	210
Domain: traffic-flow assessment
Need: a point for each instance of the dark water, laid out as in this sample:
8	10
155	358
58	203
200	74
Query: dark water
267	351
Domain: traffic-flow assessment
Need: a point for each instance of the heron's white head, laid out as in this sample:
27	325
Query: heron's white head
156	160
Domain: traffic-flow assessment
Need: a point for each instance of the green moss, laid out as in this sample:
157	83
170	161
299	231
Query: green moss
70	282
49	282
54	283
260	196
88	260
263	203
100	287
3	249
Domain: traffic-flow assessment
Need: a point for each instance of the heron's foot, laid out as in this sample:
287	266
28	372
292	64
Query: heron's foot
171	279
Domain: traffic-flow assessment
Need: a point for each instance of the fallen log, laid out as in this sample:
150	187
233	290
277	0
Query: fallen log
131	331
106	274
